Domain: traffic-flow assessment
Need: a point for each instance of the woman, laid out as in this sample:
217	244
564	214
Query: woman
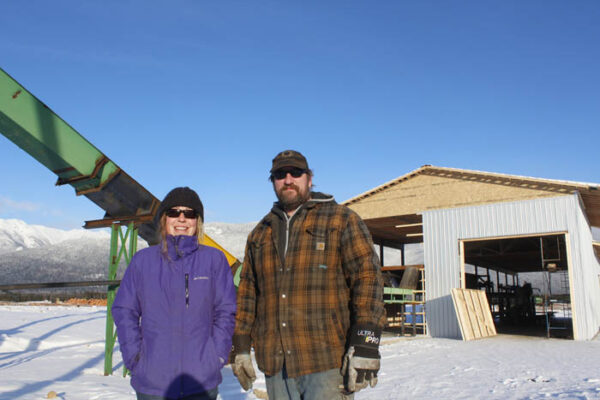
175	308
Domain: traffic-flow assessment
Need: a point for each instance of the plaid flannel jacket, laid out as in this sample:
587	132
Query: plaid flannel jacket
299	308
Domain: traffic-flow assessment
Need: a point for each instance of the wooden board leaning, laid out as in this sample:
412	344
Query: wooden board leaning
473	313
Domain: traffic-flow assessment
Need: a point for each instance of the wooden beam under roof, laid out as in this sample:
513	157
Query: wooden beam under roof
393	231
596	249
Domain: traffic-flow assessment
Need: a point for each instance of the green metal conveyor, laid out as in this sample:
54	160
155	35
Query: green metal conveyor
35	128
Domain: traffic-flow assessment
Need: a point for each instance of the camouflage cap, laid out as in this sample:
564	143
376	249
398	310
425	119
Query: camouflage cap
289	158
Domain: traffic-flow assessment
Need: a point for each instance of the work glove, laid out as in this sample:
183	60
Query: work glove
243	370
359	371
362	360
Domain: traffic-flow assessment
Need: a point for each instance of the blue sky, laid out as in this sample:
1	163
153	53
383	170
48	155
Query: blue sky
205	93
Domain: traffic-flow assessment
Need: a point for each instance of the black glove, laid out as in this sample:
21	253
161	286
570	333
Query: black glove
362	360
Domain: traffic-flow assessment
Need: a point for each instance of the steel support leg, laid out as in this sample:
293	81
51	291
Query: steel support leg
121	245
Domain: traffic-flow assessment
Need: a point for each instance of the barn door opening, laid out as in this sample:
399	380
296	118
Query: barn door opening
526	280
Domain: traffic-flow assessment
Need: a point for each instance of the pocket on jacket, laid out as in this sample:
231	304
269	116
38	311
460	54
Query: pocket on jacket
200	292
211	351
320	326
317	247
258	243
323	243
338	325
137	368
257	249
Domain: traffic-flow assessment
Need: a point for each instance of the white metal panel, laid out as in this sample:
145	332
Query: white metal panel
584	278
442	230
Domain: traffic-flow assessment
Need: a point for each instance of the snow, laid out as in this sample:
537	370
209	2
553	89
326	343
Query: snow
16	235
56	348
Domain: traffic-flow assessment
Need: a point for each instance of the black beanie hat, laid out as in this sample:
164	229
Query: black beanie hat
183	197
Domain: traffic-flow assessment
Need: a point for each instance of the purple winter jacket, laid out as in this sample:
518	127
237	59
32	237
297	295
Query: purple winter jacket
175	318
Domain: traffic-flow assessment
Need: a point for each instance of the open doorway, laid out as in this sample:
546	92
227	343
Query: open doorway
526	279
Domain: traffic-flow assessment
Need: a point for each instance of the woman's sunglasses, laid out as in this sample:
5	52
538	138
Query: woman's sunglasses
174	213
282	173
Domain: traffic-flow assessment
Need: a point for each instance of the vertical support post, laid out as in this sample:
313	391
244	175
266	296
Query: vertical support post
414	318
402	260
402	317
121	245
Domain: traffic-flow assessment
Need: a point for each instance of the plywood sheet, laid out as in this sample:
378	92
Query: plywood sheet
473	313
426	192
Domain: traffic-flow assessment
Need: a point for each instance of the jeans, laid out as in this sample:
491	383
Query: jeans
317	386
208	395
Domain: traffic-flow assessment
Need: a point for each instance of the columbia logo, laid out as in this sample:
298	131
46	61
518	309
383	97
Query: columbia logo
200	277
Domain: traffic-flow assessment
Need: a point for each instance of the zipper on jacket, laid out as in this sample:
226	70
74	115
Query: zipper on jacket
288	219
176	244
187	290
287	234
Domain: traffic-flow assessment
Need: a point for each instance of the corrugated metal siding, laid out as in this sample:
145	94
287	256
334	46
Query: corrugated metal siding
442	230
585	283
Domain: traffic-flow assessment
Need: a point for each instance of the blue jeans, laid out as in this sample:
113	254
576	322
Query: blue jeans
317	386
208	395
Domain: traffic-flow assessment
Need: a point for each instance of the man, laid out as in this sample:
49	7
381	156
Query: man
310	294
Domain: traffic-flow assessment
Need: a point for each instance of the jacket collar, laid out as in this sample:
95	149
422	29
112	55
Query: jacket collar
315	199
181	245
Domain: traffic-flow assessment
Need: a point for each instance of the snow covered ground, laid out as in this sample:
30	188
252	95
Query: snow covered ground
61	349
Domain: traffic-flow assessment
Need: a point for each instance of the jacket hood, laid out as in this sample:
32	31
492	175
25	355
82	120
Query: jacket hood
181	246
319	197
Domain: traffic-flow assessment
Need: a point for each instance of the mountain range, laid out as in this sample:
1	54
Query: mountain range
36	254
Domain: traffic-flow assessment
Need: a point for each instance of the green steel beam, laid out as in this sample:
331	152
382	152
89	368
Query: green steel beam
35	128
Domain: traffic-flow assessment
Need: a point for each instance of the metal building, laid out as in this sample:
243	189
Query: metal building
504	225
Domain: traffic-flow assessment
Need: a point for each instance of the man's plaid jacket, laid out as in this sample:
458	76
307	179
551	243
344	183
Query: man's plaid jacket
302	288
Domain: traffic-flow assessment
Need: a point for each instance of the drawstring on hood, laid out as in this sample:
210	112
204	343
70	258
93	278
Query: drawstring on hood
180	246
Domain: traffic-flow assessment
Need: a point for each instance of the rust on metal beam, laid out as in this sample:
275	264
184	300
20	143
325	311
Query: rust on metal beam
99	164
102	184
107	222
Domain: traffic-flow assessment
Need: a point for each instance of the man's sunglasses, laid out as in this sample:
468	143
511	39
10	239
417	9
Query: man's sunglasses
175	213
282	173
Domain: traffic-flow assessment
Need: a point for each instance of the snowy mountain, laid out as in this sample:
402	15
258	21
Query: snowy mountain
16	235
231	236
35	253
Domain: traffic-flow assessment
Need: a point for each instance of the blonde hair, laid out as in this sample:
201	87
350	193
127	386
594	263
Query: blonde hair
163	232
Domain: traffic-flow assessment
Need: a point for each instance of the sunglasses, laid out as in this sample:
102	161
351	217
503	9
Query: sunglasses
175	213
282	173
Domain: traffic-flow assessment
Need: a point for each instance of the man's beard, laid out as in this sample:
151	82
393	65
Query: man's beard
292	199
